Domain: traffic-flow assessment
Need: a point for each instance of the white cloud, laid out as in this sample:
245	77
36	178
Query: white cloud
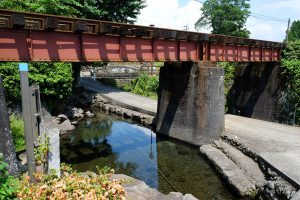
284	4
168	14
266	30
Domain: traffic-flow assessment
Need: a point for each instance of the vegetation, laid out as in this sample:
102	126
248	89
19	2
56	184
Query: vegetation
111	10
72	185
8	184
54	79
42	150
289	100
229	70
294	33
144	85
17	129
226	17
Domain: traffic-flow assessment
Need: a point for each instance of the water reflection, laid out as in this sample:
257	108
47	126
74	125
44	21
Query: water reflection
136	151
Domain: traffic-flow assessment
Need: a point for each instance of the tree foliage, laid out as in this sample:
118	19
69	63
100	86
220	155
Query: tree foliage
54	79
294	33
290	93
226	17
110	10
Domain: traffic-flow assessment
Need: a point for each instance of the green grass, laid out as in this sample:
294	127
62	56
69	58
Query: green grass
144	85
17	129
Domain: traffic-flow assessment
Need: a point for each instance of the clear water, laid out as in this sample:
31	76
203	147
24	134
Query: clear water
136	151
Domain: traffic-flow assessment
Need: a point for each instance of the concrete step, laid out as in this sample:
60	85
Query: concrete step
235	177
246	164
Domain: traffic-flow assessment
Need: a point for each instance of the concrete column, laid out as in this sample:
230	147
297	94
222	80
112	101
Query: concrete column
254	91
191	102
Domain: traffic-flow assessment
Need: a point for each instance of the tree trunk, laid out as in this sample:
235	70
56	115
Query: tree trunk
6	142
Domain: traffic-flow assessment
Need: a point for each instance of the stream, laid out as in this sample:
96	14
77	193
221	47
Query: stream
138	152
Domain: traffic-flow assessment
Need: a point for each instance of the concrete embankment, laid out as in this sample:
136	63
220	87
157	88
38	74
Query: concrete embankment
267	154
255	157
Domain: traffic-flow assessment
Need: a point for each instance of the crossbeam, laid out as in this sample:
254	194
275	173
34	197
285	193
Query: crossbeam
32	37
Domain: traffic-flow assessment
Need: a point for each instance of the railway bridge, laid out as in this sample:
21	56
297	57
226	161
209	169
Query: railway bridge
191	90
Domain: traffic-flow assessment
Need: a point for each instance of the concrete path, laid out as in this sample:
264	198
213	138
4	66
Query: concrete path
118	97
277	144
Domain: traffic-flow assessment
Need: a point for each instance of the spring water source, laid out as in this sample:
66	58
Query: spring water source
137	151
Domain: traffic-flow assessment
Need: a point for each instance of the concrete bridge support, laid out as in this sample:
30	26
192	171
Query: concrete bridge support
191	102
254	92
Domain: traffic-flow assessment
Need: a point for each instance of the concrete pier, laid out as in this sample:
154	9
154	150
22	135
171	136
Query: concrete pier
191	102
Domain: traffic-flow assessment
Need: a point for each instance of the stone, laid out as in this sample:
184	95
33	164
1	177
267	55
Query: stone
65	126
138	190
74	123
189	197
127	114
176	195
148	120
136	117
23	158
119	111
271	185
232	174
296	196
53	133
89	114
250	168
112	109
62	117
105	107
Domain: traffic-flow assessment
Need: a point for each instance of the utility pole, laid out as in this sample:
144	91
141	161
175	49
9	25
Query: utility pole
287	31
6	142
186	27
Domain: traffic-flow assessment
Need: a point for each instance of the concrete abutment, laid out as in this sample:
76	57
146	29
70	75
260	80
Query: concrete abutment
191	102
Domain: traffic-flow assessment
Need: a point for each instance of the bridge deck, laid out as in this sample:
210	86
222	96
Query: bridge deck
39	37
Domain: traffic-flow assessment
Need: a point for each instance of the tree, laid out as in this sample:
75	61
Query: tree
112	10
60	73
294	32
289	101
226	17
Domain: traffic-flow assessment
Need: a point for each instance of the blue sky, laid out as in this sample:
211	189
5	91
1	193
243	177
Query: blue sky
179	13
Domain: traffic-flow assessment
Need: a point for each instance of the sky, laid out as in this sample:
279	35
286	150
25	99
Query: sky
177	14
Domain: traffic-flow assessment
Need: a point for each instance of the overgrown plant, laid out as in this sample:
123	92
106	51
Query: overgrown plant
17	129
42	150
72	185
289	97
8	184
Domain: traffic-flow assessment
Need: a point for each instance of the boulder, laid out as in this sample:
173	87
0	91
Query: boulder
89	114
65	126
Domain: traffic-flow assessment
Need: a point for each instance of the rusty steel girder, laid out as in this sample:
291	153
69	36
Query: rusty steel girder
32	37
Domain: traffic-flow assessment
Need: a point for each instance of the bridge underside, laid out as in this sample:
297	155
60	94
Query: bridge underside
39	38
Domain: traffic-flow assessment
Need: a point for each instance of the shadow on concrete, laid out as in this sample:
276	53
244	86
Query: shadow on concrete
252	94
173	82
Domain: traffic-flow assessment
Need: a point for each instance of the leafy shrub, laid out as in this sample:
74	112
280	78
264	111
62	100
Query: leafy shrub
289	100
17	129
54	79
229	69
144	85
8	184
72	185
